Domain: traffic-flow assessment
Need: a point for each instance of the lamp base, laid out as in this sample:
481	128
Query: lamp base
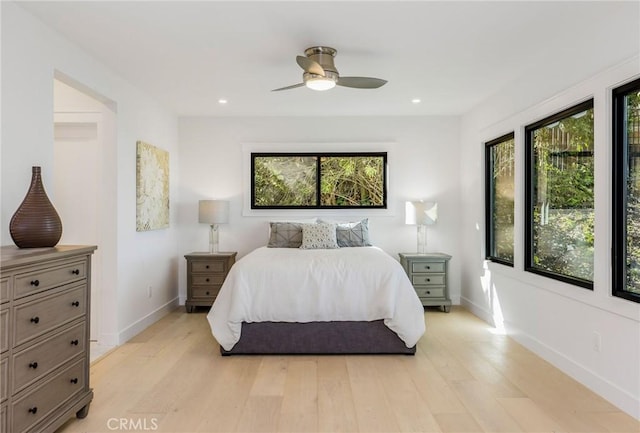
422	239
213	239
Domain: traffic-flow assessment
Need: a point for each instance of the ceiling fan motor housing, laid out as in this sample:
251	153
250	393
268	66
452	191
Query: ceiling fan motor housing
323	56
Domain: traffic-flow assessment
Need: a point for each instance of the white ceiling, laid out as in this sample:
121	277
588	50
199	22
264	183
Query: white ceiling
450	54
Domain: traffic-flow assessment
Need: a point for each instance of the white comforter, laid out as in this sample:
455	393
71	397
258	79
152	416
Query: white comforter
297	285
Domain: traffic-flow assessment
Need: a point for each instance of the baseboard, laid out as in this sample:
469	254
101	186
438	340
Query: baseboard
146	321
604	388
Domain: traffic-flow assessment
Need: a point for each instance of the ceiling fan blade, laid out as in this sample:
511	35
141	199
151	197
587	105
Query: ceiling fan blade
310	65
361	82
288	87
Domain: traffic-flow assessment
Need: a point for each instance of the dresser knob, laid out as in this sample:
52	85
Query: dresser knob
33	365
76	272
35	283
76	303
428	292
33	410
428	279
207	280
74	342
207	293
428	267
207	266
74	380
35	319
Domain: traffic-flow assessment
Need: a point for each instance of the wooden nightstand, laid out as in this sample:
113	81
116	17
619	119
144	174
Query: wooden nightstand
428	274
205	274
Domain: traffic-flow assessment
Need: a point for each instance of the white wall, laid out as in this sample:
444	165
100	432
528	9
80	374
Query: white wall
556	320
31	55
423	157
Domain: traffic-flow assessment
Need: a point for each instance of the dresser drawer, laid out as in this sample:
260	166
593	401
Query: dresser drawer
204	292
43	399
4	290
47	355
436	292
42	279
34	318
422	267
428	279
4	329
209	266
203	280
4	378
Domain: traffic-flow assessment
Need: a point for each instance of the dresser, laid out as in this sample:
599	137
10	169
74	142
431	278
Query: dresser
44	335
205	274
429	275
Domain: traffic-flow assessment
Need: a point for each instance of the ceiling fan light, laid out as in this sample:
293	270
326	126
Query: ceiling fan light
320	83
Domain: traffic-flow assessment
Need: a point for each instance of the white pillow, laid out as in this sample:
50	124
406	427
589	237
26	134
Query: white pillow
319	236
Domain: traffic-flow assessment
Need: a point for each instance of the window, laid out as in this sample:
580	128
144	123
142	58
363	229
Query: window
559	196
319	180
626	191
499	198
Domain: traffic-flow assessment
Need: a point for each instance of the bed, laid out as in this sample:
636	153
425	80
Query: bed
317	300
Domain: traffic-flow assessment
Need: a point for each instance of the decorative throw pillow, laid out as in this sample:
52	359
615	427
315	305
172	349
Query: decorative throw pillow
353	234
319	236
285	235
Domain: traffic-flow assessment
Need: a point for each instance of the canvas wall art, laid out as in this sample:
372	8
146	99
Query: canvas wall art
152	187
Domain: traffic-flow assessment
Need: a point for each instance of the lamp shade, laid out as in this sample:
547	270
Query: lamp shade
213	211
421	212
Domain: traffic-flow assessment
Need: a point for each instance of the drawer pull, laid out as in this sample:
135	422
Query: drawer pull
35	283
35	319
207	293
33	365
428	292
207	266
428	267
74	380
76	303
428	279
76	272
74	342
207	280
33	410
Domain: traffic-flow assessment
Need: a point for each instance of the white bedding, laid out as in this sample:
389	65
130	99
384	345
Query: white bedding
296	285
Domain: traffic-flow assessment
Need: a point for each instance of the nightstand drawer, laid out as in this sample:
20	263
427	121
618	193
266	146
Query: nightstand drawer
423	267
437	292
204	292
208	266
428	279
203	280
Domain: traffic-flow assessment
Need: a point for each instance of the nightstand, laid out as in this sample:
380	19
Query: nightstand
205	274
428	274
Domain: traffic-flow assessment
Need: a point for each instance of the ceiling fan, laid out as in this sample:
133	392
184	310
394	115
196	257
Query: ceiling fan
321	74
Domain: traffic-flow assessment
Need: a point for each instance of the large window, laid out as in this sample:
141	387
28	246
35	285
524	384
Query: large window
626	191
559	213
318	180
499	198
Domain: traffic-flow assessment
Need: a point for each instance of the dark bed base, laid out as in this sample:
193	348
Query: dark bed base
318	338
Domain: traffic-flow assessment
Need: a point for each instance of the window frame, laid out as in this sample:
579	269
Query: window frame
529	194
620	194
490	200
318	156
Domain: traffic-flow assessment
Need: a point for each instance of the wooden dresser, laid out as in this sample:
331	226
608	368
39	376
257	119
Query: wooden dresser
44	359
205	274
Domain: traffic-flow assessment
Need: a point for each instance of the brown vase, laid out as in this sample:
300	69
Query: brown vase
36	224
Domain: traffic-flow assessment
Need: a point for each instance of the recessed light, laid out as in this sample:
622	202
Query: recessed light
416	100
222	101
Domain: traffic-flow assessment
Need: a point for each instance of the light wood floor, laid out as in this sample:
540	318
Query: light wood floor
464	378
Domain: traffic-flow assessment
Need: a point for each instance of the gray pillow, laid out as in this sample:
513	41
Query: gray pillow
353	234
285	235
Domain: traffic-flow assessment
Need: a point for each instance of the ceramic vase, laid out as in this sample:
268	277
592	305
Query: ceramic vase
35	224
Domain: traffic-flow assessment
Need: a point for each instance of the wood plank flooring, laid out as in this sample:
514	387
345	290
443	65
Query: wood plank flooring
464	378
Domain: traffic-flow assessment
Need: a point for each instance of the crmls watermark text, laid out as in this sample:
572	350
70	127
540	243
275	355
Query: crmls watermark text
132	424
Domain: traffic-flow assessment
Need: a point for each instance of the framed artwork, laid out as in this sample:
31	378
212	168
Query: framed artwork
152	187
